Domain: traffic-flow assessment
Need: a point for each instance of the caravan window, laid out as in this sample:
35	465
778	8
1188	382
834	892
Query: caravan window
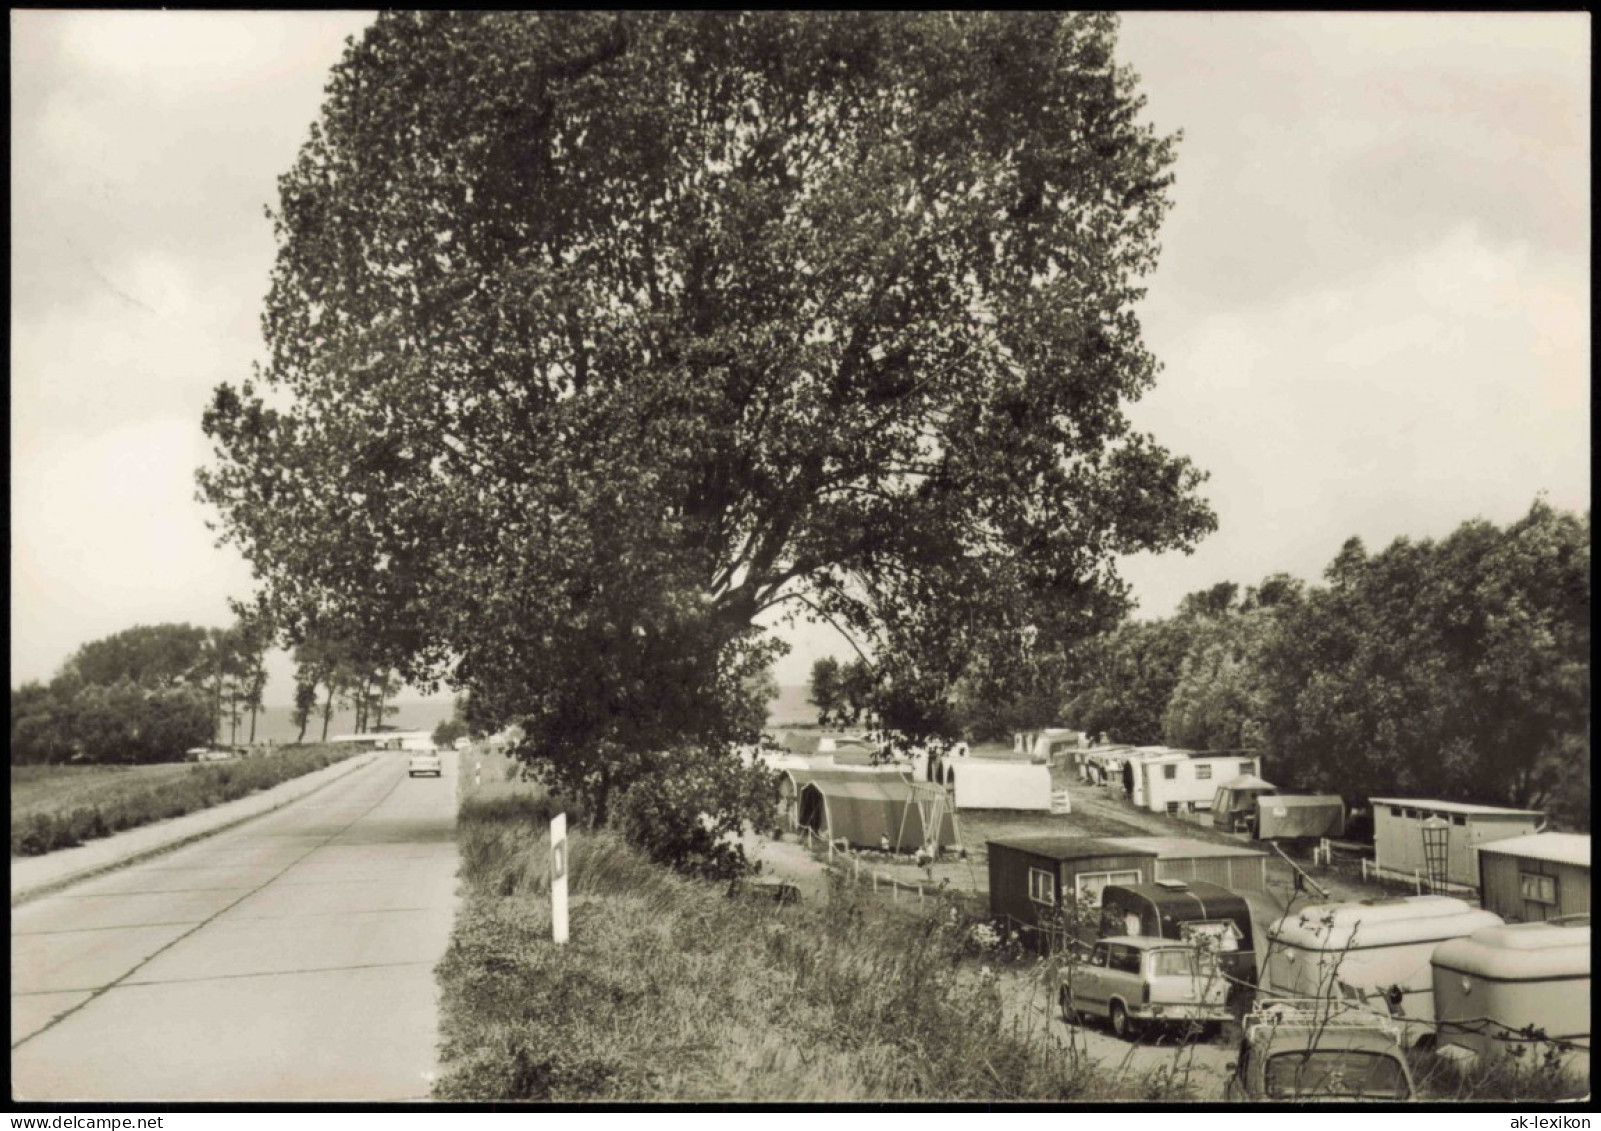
1203	773
1042	886
1170	771
1247	767
1090	884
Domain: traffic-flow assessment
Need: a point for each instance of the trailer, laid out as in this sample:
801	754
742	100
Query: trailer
1174	909
1515	989
1375	952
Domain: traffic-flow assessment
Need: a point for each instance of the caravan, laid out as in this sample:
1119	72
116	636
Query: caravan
1375	952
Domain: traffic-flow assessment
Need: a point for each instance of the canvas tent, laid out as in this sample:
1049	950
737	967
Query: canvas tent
1287	816
865	808
1234	806
1001	785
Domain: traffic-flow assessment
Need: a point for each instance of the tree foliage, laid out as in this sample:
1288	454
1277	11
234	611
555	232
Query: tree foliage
1456	669
595	335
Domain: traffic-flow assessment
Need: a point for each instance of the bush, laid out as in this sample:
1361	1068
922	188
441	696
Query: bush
202	787
689	812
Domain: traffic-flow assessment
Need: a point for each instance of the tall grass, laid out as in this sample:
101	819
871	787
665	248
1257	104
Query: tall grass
670	990
142	802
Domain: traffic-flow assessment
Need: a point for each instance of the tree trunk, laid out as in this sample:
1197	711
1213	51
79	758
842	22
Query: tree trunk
327	711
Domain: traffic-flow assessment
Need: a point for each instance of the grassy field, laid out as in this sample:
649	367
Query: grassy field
54	790
61	806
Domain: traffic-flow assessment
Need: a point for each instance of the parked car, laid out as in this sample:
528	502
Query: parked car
211	754
1317	1050
1134	982
463	743
425	762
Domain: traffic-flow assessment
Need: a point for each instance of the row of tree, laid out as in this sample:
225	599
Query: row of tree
1455	668
151	692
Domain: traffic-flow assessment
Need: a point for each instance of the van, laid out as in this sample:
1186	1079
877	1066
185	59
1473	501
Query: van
1374	952
1135	982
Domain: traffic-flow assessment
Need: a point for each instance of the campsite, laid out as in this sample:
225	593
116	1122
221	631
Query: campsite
1296	925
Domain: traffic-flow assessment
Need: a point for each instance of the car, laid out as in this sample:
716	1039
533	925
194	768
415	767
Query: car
1306	1050
209	754
425	762
463	743
1134	982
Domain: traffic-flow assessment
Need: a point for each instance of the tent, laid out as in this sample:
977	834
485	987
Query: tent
1001	785
1234	806
865	808
1285	816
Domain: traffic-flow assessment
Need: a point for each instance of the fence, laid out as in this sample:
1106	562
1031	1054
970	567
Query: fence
855	871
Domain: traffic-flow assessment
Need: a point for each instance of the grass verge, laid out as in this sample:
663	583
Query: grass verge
671	991
68	805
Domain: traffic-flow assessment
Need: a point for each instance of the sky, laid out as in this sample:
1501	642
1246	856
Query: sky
1372	306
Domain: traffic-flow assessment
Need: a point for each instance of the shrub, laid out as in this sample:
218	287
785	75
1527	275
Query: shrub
202	787
688	812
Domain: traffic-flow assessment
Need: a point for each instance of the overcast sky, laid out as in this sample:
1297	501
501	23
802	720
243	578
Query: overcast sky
1373	303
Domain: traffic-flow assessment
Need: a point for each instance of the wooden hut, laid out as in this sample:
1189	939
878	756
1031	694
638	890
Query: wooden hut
1529	879
1233	866
1398	835
1039	883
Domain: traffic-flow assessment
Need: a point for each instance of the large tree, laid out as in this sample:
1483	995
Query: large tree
595	335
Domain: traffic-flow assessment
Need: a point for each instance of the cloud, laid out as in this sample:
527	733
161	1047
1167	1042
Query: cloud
1449	384
111	537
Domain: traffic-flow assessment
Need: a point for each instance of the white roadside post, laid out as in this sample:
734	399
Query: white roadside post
558	877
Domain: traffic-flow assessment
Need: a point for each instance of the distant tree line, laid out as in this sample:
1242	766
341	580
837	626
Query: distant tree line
1456	668
145	694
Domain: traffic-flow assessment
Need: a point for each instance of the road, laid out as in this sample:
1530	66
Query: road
289	959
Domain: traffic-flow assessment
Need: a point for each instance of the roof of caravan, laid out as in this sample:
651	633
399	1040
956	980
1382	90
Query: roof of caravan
875	787
1170	847
1559	848
1521	951
1456	807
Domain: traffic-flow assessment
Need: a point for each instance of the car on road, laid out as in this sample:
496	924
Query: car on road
1319	1050
1134	982
425	762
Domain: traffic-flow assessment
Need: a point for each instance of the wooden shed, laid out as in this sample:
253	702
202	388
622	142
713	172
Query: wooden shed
1398	835
1035	880
1232	866
1530	879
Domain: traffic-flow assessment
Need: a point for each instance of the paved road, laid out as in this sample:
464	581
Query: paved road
288	959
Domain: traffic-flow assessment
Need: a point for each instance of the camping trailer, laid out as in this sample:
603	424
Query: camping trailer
1234	804
1182	781
1398	841
1362	951
1497	989
980	784
1173	909
1285	816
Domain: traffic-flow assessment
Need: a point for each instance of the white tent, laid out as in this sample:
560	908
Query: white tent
1000	785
